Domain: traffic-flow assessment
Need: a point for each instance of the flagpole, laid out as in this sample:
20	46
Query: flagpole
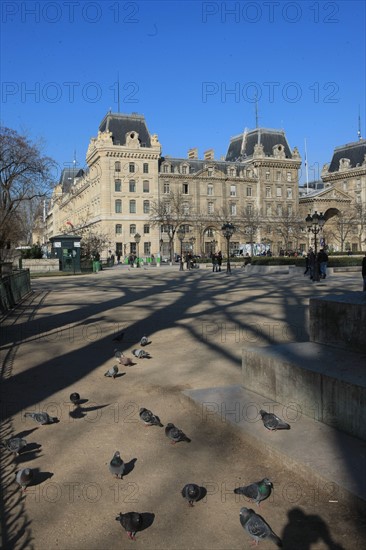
306	169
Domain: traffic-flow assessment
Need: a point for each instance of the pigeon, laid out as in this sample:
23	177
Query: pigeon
175	434
149	418
123	360
75	398
112	372
144	341
116	465
141	354
258	491
24	477
131	522
41	418
14	444
257	528
191	492
119	337
272	422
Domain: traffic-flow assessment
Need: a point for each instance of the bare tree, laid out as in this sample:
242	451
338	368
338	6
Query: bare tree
172	211
342	227
360	223
249	223
24	176
289	228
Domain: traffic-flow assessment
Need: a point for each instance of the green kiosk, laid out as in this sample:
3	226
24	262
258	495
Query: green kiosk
67	249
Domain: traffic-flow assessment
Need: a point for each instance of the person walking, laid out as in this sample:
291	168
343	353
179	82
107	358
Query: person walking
323	263
214	262
219	260
364	272
311	256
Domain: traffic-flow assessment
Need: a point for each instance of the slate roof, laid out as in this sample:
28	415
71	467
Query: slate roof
67	177
354	151
196	165
242	146
120	124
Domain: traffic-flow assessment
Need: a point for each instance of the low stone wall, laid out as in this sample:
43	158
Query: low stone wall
339	320
41	266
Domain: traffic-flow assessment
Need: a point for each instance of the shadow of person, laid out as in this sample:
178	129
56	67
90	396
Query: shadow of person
302	531
80	412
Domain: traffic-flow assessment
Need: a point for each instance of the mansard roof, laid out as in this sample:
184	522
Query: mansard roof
121	124
67	177
242	146
197	165
354	151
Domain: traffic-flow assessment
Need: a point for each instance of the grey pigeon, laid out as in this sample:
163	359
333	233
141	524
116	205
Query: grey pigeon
257	491
41	418
119	337
24	477
131	522
273	422
123	360
141	354
116	465
112	372
175	434
257	528
118	354
149	418
144	341
14	444
75	398
191	492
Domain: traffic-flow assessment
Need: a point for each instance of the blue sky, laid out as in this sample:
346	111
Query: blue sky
192	68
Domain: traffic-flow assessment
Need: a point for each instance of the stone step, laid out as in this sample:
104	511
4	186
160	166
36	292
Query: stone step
322	382
321	453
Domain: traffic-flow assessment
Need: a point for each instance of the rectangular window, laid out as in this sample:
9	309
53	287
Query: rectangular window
210	189
118	229
210	172
288	176
268	210
145	168
184	169
249	191
166	188
165	168
146	207
279	209
145	186
232	190
233	209
268	175
289	193
289	209
172	169
132	229
132	207
278	192
118	206
132	186
146	229
210	208
185	189
249	209
131	167
117	166
185	209
268	193
117	186
147	249
278	175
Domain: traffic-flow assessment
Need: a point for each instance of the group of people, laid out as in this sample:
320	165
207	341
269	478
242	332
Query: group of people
216	261
319	262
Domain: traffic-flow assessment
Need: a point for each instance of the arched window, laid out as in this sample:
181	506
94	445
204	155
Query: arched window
132	229
118	229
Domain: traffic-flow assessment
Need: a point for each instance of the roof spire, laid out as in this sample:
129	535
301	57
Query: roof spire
359	124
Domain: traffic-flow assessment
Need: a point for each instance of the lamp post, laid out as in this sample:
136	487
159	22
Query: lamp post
181	234
227	230
137	238
315	224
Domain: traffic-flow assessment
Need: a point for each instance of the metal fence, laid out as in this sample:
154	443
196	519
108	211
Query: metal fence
13	288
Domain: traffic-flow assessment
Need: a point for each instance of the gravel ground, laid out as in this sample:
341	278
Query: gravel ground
60	340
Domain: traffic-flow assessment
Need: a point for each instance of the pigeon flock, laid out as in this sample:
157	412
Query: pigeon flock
132	522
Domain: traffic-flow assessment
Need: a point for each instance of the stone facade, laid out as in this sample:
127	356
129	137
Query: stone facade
126	174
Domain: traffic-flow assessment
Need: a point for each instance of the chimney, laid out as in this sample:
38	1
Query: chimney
193	153
209	154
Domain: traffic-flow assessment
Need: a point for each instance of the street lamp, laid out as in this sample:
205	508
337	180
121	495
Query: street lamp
137	238
181	235
227	230
315	224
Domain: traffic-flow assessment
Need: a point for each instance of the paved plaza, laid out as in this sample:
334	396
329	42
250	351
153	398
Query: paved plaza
61	340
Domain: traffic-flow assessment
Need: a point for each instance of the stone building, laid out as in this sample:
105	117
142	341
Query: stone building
127	176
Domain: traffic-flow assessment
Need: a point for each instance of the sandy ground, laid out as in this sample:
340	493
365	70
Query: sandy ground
61	340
